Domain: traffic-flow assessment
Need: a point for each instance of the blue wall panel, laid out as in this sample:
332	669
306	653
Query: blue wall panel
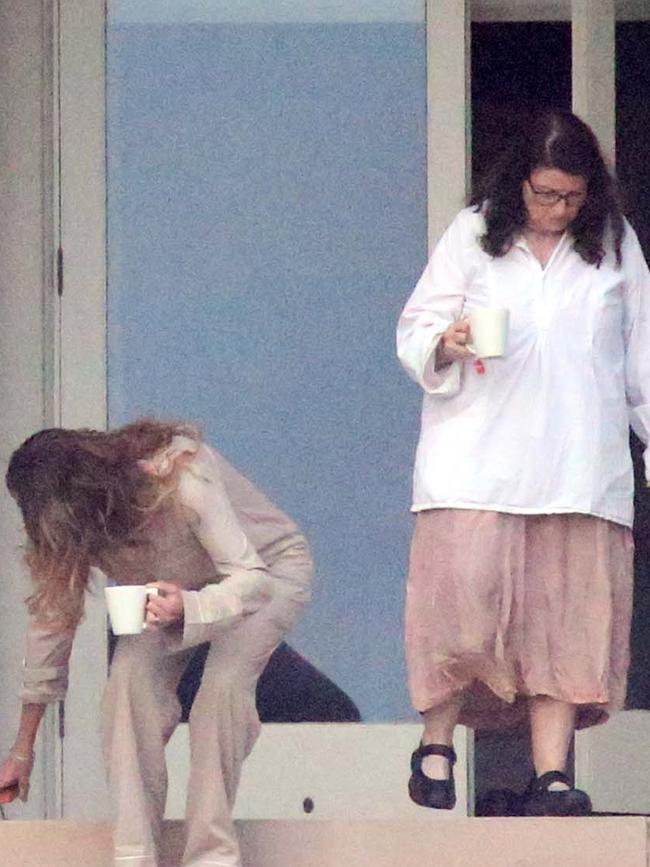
267	219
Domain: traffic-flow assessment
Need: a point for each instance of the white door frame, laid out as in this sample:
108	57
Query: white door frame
82	365
83	305
82	362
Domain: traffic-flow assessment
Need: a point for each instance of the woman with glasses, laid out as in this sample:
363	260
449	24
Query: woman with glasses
520	581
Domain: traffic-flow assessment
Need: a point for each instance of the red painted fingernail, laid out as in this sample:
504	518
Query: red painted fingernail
479	367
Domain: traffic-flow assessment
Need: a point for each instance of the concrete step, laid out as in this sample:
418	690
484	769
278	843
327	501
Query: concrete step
620	841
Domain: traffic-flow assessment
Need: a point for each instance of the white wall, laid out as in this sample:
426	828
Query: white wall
26	315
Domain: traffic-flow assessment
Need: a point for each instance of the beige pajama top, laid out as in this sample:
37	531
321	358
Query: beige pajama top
241	539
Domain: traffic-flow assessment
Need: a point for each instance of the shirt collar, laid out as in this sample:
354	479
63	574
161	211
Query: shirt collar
521	242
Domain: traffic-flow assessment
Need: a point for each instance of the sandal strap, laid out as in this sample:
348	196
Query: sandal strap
542	783
436	750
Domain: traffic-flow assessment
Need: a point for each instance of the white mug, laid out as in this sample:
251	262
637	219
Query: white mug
489	331
126	607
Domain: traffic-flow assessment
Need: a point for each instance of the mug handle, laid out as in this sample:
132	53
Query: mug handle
150	591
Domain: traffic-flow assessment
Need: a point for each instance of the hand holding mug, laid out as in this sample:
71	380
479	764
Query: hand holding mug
166	607
453	344
482	334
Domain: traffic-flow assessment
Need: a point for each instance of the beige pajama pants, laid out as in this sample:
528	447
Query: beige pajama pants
141	711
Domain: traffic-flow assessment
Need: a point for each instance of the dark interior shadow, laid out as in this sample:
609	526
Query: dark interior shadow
290	690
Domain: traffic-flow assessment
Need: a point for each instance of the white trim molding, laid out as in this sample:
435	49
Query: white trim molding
593	31
448	112
28	314
83	357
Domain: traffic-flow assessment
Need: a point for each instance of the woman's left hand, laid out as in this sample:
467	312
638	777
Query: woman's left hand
165	607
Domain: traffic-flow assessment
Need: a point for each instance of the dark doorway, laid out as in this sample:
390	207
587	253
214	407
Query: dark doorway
633	159
517	68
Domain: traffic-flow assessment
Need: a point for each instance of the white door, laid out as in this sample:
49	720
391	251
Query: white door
240	229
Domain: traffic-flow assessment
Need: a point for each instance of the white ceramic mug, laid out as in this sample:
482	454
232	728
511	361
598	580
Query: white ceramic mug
126	607
489	331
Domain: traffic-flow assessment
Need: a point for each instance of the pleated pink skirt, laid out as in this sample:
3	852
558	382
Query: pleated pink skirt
505	606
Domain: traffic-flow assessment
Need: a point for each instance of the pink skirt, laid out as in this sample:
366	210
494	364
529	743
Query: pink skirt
505	606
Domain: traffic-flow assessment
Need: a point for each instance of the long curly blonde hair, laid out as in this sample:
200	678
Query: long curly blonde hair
80	492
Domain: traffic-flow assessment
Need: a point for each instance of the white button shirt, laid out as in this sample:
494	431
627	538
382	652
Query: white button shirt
545	428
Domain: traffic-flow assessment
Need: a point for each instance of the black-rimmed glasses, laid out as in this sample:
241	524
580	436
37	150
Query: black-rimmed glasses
552	197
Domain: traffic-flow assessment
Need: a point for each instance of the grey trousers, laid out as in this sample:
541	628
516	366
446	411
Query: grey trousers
141	712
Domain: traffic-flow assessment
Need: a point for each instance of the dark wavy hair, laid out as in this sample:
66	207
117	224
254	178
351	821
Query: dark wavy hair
552	140
80	492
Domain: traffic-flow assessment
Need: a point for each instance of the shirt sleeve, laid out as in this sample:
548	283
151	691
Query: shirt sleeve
244	585
46	663
637	332
436	302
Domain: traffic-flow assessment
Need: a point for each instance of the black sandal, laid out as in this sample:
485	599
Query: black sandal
425	791
499	802
541	801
